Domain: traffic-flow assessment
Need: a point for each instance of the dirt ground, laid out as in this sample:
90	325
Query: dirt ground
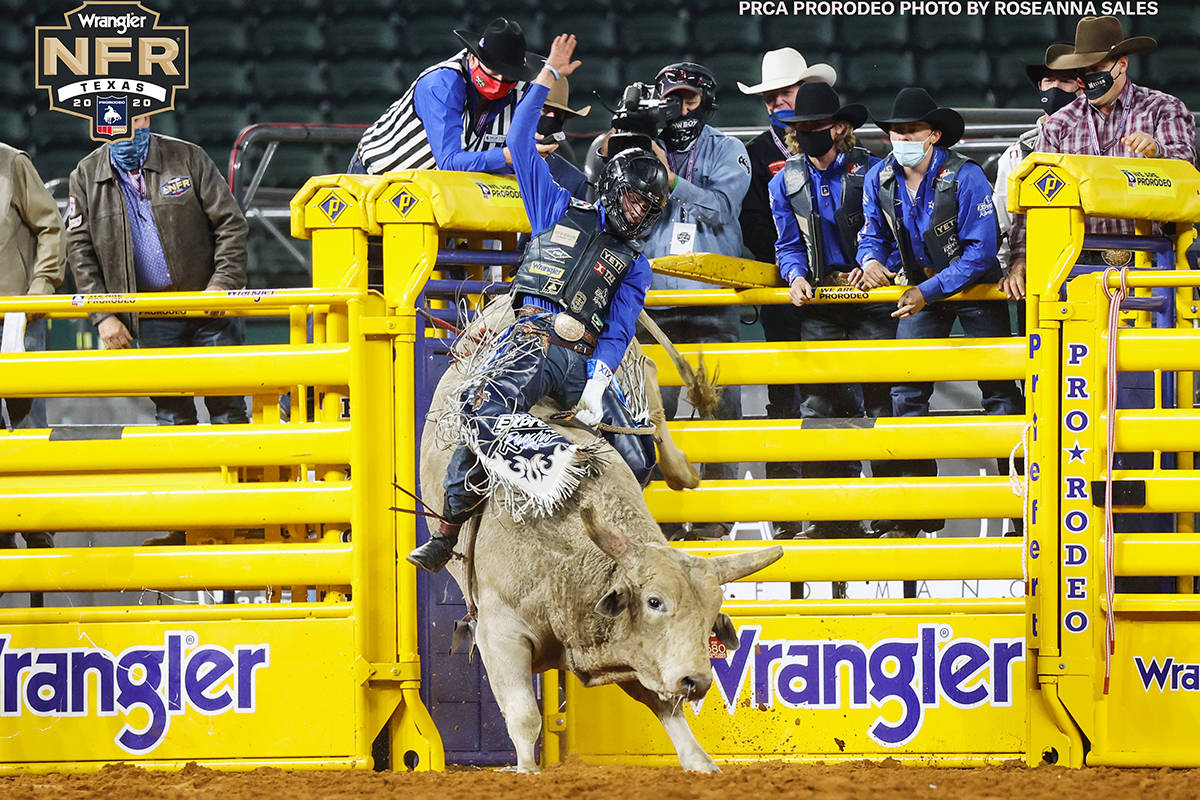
573	779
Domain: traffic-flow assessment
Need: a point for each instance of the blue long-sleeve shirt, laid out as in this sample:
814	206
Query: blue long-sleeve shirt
791	252
439	98
546	202
712	183
976	227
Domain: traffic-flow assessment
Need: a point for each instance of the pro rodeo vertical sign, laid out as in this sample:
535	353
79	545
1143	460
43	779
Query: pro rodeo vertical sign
111	63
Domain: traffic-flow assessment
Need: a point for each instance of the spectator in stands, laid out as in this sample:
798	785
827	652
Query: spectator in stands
931	208
153	214
33	262
457	112
709	173
782	73
1057	89
556	112
1115	117
816	201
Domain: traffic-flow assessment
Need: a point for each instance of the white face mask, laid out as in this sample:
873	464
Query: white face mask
907	153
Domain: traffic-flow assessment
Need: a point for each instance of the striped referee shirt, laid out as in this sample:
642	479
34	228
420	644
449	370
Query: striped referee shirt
441	122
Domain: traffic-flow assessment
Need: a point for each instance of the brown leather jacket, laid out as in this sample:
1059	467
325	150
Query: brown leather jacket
203	232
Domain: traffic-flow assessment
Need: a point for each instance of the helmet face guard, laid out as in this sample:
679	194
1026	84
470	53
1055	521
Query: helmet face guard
681	132
633	192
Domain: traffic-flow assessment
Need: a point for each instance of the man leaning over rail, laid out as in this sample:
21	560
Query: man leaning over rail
816	200
934	208
578	292
32	262
153	214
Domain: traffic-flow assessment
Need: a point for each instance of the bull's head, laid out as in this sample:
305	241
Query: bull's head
665	604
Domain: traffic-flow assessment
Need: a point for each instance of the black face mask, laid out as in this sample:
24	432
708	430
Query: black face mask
1055	98
680	134
815	143
549	125
1096	84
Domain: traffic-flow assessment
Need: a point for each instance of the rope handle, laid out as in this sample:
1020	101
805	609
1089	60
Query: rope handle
1115	298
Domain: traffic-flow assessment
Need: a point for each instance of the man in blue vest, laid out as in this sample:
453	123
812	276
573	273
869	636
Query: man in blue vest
578	292
816	200
933	208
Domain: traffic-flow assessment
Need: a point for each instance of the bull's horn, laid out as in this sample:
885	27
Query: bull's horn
613	544
737	566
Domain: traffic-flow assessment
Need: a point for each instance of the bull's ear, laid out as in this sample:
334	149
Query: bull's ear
614	545
738	566
725	632
612	603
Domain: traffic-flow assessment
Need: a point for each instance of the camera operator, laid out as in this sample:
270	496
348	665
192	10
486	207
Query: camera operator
709	173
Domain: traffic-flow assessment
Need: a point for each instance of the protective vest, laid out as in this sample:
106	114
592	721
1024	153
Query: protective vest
848	216
941	240
576	265
398	141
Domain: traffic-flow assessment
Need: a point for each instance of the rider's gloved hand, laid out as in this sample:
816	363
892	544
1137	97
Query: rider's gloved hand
590	410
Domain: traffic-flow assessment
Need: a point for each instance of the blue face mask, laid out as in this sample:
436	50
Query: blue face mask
776	120
908	154
131	154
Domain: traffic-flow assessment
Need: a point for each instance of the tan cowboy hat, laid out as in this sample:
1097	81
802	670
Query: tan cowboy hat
784	67
559	98
1096	39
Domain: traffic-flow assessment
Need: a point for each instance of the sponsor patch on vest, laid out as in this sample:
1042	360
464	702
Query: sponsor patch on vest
564	236
549	270
173	187
611	258
951	246
555	254
553	287
945	227
597	322
775	166
855	168
600	297
577	302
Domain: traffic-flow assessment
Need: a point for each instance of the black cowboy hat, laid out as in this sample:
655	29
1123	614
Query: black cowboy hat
915	105
501	48
1035	73
816	101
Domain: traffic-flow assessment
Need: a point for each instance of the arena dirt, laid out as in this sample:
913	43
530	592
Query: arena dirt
573	779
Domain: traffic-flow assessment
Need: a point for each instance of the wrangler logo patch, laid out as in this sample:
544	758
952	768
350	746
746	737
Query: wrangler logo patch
549	270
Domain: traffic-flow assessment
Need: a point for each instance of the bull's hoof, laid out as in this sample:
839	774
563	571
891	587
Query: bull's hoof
433	555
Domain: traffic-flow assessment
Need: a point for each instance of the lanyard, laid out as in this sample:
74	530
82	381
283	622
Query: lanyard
1124	120
691	166
778	143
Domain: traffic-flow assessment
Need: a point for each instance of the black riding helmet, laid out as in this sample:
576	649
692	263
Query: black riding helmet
632	172
680	132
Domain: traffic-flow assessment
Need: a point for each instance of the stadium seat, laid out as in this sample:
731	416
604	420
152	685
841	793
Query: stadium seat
225	80
166	123
729	68
596	30
725	32
216	39
1171	70
643	68
739	110
365	78
881	70
358	112
601	75
430	37
1175	23
57	162
297	111
293	164
293	36
872	34
963	69
814	38
273	11
285	80
1034	31
16	87
271	265
212	124
966	98
14	126
933	33
362	37
54	128
659	32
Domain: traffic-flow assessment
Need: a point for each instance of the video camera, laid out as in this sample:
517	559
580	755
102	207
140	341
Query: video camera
640	117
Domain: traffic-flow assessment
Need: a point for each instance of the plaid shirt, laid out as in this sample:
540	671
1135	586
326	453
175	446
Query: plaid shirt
1159	114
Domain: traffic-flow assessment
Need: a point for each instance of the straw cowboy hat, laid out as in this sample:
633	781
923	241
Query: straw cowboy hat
785	67
501	48
560	96
1096	39
817	101
915	105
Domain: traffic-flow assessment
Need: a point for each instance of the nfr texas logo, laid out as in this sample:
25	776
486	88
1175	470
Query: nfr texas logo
111	63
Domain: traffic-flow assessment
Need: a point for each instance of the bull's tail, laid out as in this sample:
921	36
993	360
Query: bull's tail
702	392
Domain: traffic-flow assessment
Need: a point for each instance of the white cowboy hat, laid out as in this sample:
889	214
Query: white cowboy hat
784	67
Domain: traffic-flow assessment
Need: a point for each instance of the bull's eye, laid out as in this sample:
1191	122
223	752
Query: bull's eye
654	603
